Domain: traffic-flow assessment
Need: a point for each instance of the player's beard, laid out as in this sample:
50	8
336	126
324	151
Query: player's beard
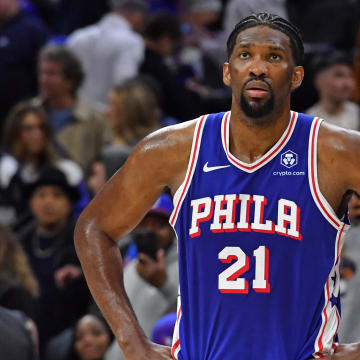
256	108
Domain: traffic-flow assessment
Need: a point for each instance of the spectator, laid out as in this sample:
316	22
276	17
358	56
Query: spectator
21	37
18	286
133	113
334	80
350	317
91	339
16	337
79	127
151	280
88	339
111	51
28	137
162	36
48	241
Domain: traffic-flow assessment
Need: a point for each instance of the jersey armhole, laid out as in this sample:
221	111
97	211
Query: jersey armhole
319	199
180	193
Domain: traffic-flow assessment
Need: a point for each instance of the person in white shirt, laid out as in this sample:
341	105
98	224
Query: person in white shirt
111	50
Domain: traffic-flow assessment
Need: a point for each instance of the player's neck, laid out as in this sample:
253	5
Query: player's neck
251	138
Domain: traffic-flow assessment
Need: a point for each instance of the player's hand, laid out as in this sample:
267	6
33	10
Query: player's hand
346	352
154	272
153	352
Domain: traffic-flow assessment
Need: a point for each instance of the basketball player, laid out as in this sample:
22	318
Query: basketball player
260	196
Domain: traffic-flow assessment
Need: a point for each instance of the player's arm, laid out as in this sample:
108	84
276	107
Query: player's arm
159	160
338	165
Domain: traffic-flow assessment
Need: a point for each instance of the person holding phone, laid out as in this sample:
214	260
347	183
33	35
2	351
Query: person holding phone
151	280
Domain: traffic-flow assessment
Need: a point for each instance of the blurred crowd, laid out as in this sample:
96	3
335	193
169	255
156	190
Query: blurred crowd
82	82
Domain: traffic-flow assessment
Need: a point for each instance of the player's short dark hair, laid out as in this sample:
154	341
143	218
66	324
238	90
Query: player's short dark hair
275	22
162	24
70	64
326	60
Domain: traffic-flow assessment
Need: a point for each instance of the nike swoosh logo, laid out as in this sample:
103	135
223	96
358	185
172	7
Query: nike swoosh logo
207	168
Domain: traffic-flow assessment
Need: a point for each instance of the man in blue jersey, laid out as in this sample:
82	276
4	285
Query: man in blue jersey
259	220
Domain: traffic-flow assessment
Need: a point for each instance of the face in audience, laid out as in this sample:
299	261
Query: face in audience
336	83
50	206
32	136
92	338
52	82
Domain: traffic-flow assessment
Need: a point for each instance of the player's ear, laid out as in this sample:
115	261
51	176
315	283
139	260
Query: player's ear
226	74
297	77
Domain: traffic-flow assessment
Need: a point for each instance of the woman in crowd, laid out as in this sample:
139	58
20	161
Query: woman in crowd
18	286
133	113
28	138
91	339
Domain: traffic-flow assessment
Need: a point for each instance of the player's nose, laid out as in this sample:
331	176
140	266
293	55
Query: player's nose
258	67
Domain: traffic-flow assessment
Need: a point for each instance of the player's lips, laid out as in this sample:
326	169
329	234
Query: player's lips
257	88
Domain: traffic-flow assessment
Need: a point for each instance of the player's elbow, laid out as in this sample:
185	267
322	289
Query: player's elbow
80	234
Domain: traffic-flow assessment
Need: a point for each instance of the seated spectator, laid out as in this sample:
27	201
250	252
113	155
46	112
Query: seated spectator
79	126
349	329
111	51
48	241
88	339
151	279
18	286
28	138
133	113
17	336
162	35
22	36
334	80
91	339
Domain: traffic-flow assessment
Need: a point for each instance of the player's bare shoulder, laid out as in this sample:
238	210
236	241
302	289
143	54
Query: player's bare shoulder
339	154
166	152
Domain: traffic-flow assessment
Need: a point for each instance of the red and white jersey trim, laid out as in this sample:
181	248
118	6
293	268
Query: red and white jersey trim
175	348
250	168
318	197
325	340
181	192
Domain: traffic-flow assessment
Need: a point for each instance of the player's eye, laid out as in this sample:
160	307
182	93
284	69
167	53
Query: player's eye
275	57
244	55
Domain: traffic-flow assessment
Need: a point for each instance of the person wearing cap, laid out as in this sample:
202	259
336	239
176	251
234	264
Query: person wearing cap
152	282
48	242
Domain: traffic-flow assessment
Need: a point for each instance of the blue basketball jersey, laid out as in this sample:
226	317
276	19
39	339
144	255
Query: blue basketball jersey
258	250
